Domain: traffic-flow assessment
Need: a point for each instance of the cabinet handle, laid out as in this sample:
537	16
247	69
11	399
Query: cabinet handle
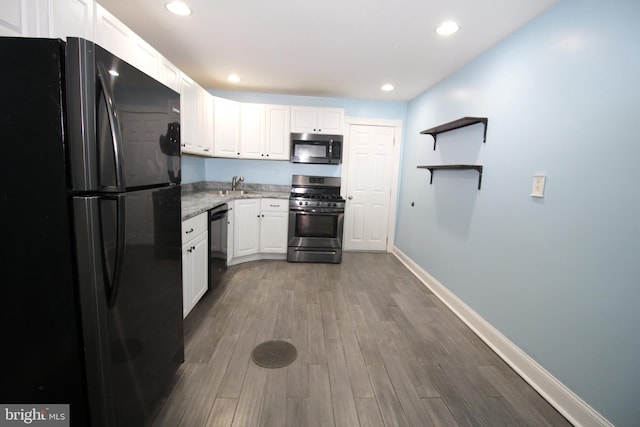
275	206
193	248
262	215
189	231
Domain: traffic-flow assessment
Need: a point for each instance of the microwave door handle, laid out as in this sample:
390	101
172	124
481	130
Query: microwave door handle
114	126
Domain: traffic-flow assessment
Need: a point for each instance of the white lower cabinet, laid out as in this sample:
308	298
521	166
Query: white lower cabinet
230	230
258	230
195	238
246	233
274	221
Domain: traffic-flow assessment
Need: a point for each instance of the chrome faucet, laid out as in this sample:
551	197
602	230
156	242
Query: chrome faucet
235	181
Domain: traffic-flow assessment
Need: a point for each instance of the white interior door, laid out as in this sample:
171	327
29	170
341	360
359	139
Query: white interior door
371	163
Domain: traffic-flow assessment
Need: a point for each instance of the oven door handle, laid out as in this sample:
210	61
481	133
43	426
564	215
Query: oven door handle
318	212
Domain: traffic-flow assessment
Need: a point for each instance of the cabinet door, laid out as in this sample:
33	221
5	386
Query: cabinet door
18	18
274	221
187	280
70	18
200	267
204	140
247	227
230	233
145	57
330	120
304	119
252	131
169	75
226	127
273	232
188	113
278	140
113	35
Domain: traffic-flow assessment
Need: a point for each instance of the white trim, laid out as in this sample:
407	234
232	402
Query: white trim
395	172
570	405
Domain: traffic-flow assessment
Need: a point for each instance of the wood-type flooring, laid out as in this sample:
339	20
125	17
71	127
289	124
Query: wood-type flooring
375	348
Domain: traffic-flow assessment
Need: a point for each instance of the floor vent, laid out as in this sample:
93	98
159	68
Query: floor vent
274	354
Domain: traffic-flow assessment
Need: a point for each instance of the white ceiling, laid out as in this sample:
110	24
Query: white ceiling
335	48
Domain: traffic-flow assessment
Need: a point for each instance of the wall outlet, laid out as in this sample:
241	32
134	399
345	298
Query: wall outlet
538	186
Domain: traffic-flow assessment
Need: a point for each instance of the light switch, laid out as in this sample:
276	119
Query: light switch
538	186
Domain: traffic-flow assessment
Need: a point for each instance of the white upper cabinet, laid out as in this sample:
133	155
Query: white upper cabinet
46	18
278	125
145	58
18	18
188	114
317	120
330	120
196	118
264	131
226	127
69	18
169	74
252	131
204	134
113	35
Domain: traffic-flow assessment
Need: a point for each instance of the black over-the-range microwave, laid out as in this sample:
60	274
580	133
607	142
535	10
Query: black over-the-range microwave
316	148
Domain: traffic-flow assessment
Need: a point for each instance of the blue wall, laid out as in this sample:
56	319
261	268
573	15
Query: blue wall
559	276
279	172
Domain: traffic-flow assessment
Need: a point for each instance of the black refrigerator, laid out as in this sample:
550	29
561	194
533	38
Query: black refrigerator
91	284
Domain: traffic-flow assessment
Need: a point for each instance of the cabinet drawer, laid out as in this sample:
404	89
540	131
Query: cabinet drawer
277	205
193	227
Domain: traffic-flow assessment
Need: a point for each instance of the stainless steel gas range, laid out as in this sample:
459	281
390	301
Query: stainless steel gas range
316	219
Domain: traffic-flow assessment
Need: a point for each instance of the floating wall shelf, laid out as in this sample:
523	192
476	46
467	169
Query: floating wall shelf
456	124
432	168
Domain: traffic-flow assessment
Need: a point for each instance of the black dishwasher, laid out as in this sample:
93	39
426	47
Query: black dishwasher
217	244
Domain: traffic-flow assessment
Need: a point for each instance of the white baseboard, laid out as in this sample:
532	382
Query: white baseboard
570	405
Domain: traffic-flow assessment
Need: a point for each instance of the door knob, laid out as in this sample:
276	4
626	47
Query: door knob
350	197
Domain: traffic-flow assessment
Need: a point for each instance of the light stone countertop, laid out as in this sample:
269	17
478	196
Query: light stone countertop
199	197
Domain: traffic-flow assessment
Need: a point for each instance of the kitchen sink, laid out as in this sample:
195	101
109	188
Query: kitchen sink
231	192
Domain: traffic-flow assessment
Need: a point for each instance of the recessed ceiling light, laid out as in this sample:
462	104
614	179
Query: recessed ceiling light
447	28
178	8
233	78
387	87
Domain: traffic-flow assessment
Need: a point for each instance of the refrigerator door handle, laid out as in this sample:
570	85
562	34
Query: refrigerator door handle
114	267
91	275
114	126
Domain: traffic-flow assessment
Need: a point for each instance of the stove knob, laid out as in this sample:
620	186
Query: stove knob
300	203
306	203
